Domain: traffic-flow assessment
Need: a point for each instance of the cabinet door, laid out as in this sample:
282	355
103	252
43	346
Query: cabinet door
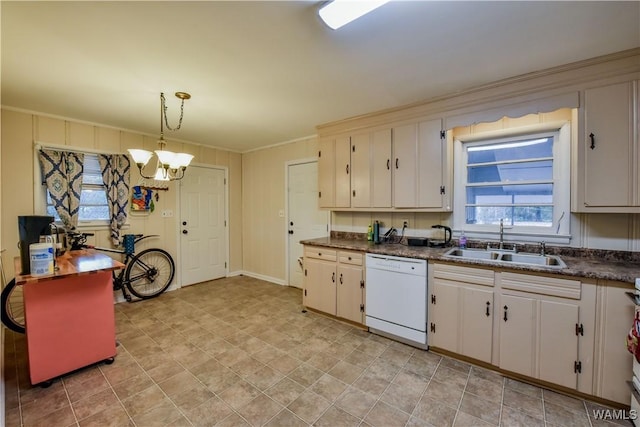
320	285
381	169
444	315
614	362
326	173
558	342
517	334
360	167
404	166
343	172
349	293
431	164
477	323
609	156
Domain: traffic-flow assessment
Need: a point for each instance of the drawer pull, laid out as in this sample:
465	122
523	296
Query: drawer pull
488	304
333	277
341	278
505	312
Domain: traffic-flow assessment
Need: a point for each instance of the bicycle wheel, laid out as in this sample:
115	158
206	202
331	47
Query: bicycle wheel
13	307
149	273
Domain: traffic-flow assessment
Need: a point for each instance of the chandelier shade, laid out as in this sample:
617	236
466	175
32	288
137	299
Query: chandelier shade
170	166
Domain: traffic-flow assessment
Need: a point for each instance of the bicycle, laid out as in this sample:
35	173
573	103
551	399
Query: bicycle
146	275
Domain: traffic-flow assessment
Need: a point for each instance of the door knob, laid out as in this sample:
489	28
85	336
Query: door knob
184	231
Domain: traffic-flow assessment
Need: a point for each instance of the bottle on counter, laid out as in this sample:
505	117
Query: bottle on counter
462	240
370	233
376	232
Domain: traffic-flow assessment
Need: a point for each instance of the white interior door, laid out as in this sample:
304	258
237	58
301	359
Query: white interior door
305	220
203	245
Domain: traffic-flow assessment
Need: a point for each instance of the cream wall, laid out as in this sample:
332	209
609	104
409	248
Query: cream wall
20	130
263	197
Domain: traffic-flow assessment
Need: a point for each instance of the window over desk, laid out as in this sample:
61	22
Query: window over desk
94	208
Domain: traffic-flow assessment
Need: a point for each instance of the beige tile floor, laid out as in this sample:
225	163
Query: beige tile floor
240	351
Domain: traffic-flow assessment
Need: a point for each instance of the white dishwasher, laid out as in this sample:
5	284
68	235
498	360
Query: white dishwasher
396	298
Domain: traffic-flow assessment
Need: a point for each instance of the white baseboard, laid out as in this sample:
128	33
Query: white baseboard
258	276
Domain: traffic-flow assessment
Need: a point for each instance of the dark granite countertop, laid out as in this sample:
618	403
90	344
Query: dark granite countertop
594	264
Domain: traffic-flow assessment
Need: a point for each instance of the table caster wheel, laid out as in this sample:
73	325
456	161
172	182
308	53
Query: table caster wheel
109	361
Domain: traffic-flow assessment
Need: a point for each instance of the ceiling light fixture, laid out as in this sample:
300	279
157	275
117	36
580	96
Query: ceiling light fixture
170	166
341	12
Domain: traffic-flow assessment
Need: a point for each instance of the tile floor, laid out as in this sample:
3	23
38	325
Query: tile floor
239	351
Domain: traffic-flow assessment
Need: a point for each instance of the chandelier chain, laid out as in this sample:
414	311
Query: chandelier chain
166	121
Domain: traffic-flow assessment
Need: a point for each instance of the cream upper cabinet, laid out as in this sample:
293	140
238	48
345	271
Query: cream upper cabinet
381	169
343	172
334	172
360	166
608	153
432	165
326	173
404	167
420	166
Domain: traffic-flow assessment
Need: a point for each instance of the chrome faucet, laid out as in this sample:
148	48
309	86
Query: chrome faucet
501	244
543	248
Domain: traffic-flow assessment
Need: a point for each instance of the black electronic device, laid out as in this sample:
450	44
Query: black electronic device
417	241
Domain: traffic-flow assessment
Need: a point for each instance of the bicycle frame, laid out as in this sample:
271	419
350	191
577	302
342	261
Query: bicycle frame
119	283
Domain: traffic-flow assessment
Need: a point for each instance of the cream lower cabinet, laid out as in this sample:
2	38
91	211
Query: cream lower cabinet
540	326
461	310
334	282
614	364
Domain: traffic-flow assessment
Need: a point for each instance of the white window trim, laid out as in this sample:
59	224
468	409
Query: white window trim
40	190
560	231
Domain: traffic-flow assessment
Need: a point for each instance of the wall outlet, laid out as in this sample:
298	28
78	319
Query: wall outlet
167	213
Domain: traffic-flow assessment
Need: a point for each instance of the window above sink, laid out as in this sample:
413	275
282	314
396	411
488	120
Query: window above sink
520	175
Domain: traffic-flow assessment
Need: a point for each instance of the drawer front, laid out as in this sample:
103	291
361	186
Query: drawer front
320	253
353	258
565	288
457	273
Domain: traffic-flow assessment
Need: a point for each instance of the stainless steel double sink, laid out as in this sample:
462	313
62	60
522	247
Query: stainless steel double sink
506	257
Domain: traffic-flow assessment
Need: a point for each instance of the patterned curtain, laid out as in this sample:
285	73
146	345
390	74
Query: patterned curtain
115	175
62	172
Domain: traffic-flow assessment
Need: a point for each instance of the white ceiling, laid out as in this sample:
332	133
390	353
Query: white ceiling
262	73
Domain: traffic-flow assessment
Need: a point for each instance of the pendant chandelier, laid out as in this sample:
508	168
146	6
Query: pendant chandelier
170	166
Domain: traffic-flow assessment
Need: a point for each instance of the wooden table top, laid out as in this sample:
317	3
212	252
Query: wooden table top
73	263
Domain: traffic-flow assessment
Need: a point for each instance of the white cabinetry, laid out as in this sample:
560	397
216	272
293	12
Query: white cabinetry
615	313
405	167
334	282
608	153
461	310
540	327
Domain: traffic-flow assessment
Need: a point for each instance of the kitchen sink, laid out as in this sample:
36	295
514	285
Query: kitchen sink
503	257
473	254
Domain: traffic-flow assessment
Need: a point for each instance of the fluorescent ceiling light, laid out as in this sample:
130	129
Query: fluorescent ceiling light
341	12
